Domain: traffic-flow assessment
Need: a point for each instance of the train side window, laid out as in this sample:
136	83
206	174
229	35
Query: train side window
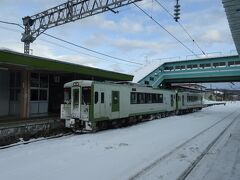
133	98
154	98
102	97
160	98
140	98
96	97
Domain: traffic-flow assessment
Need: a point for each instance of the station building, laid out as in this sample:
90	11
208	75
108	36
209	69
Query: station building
32	86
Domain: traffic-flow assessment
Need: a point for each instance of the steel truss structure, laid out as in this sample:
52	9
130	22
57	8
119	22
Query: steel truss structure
67	12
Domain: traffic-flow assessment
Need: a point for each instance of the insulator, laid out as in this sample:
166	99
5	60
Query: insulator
176	14
177	6
177	11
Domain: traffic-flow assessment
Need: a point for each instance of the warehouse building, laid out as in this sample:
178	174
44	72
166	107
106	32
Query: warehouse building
32	86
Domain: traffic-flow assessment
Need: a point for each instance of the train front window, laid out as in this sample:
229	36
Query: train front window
76	97
86	95
67	95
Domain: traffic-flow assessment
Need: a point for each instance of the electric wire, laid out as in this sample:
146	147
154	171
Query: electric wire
184	29
165	29
62	46
79	46
97	52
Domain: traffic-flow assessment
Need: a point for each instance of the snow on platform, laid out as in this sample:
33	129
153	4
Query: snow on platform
112	154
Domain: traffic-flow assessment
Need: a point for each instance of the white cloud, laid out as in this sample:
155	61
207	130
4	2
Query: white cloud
127	45
212	35
81	60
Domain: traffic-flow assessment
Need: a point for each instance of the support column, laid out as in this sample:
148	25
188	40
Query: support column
25	94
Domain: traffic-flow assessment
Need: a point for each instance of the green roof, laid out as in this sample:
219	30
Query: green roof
35	62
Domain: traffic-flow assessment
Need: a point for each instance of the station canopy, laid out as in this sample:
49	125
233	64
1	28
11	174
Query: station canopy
20	60
232	8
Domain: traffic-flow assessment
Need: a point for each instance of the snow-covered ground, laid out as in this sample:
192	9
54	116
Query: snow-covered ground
207	102
114	154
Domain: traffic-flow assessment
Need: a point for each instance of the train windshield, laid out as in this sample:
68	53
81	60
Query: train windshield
86	95
67	95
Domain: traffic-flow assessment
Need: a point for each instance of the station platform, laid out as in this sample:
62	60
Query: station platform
12	129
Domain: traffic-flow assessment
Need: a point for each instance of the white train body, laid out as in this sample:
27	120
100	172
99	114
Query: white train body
89	104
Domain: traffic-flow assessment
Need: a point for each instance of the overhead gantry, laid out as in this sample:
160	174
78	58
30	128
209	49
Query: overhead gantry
67	12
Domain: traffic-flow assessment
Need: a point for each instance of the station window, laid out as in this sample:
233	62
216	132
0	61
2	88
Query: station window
168	68
102	97
15	89
146	82
43	95
194	66
96	97
43	81
177	67
151	78
39	87
182	67
189	66
237	62
215	64
34	95
34	79
222	64
230	63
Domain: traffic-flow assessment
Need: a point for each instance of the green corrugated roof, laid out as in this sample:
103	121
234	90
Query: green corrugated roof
15	58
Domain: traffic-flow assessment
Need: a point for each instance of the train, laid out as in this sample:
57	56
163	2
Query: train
95	105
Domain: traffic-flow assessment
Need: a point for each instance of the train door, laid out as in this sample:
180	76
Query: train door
115	104
75	104
172	100
103	104
115	101
85	103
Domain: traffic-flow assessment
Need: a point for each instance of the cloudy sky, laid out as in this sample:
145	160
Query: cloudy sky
128	35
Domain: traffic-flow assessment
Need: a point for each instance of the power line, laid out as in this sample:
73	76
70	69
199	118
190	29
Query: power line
184	29
11	23
97	52
79	46
62	46
165	29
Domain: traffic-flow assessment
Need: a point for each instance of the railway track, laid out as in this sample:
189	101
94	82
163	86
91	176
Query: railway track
185	174
187	171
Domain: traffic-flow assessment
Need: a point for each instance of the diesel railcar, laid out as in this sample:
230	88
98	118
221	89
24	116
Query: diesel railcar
93	105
